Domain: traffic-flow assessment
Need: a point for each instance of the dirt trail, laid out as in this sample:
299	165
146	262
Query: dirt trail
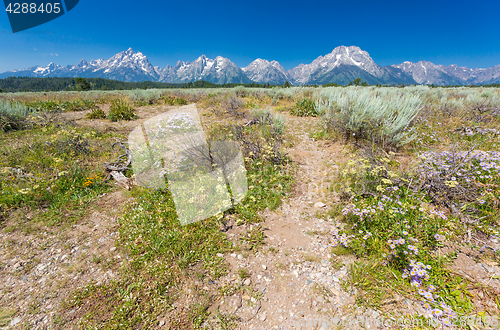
297	284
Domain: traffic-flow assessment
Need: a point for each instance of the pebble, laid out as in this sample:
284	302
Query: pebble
247	282
264	267
262	317
162	323
319	204
240	257
112	249
15	321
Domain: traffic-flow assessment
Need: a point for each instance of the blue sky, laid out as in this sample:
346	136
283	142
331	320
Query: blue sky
466	33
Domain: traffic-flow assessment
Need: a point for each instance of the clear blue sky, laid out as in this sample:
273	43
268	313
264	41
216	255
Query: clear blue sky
446	32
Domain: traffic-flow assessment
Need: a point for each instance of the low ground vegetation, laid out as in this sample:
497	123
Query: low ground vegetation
422	177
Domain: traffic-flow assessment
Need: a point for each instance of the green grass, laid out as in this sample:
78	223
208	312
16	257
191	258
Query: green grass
54	169
164	256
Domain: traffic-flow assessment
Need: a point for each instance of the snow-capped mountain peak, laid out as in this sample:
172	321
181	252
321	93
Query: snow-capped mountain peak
341	66
262	71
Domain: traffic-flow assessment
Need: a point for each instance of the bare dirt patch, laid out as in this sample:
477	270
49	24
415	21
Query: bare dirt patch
40	270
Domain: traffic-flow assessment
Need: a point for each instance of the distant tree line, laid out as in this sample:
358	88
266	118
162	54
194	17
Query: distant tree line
31	84
56	84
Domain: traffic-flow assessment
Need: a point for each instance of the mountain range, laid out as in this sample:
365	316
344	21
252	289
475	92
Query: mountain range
341	66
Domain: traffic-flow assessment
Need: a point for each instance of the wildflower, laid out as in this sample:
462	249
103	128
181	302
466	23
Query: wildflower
428	296
438	237
405	232
447	322
437	312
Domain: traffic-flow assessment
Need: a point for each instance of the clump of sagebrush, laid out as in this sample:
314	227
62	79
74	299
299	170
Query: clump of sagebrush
275	121
379	116
96	113
304	108
121	110
142	97
13	116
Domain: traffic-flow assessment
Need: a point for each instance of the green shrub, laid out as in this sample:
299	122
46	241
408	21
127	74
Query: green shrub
96	113
121	110
61	106
172	100
180	101
13	116
304	108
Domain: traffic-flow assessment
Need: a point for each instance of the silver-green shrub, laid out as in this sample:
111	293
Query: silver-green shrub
379	115
267	117
13	115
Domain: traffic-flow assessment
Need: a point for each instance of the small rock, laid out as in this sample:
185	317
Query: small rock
247	282
264	267
15	321
112	249
240	257
233	255
253	299
246	297
319	204
162	323
262	317
220	255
